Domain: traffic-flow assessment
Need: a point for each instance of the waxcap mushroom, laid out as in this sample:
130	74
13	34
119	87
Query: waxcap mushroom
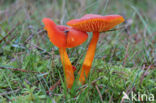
63	36
96	23
93	23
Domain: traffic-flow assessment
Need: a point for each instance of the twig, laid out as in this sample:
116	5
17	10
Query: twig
17	69
99	93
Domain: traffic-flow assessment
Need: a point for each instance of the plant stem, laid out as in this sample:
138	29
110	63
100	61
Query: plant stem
67	66
89	58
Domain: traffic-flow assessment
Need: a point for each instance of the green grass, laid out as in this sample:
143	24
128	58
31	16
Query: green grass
125	59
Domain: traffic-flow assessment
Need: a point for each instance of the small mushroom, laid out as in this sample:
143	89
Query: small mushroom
93	23
65	37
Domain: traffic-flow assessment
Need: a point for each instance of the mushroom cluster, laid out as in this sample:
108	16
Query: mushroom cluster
68	37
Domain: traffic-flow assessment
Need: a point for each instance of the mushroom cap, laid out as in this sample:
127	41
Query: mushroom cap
64	36
96	23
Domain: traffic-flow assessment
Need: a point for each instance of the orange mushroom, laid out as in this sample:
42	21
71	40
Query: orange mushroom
93	23
65	37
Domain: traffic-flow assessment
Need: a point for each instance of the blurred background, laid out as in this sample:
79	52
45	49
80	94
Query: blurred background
30	63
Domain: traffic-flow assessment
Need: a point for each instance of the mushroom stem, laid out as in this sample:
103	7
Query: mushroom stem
89	58
67	66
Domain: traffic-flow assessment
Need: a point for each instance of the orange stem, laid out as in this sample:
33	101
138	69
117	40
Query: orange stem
67	66
89	58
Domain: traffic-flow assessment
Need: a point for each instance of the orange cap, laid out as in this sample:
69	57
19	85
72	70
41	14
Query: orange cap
96	23
63	36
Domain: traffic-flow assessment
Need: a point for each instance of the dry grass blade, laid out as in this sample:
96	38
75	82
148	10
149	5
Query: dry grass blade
31	35
9	33
10	92
111	99
97	88
144	74
93	82
126	54
54	86
39	48
17	69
